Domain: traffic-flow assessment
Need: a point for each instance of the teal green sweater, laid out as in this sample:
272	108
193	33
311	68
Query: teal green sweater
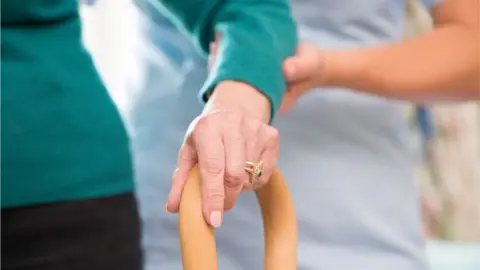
61	135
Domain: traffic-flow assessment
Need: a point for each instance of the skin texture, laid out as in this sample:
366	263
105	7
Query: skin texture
446	68
440	65
232	129
197	238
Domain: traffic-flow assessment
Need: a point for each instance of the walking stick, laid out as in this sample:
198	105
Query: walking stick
197	238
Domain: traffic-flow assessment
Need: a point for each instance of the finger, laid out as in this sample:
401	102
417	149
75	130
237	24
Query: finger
253	144
235	174
287	102
302	65
186	161
270	154
292	95
290	70
211	161
297	70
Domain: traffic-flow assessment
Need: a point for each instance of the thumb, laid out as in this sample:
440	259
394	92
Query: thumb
292	95
187	158
300	66
288	102
297	69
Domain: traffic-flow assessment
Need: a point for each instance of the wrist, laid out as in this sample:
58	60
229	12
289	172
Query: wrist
240	96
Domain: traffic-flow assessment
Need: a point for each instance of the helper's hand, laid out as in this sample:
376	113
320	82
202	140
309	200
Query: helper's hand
231	131
303	71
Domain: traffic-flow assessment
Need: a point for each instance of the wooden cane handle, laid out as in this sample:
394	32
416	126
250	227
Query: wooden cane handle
197	238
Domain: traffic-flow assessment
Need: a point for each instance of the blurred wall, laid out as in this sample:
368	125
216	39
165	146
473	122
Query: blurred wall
449	174
107	34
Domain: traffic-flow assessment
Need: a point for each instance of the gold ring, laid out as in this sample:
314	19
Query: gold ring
255	171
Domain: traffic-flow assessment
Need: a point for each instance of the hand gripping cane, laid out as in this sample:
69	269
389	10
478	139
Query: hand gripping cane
197	238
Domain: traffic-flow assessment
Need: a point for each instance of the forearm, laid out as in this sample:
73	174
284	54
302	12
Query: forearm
256	37
440	65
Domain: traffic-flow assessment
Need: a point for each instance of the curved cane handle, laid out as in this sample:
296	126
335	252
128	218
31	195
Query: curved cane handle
197	238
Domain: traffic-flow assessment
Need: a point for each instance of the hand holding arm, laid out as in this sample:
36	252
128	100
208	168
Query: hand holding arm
441	65
256	37
248	85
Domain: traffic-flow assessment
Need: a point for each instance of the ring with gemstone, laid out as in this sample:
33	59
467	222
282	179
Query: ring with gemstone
255	171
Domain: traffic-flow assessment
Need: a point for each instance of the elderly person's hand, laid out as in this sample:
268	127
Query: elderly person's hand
229	137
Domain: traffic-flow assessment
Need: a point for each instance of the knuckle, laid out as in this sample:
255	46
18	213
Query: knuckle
215	195
258	128
234	139
231	182
202	123
234	176
229	204
253	126
235	117
213	166
273	134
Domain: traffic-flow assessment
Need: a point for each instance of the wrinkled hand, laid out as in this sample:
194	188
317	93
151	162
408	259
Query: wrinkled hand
303	71
221	140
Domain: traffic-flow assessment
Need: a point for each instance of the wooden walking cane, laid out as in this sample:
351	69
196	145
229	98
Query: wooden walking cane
197	239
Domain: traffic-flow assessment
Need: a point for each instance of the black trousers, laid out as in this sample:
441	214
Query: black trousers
93	234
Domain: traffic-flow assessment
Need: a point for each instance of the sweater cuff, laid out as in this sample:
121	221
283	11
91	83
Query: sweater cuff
261	72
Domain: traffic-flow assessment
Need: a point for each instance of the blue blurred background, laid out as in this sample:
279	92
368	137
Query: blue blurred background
447	138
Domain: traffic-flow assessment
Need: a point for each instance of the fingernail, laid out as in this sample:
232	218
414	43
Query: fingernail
216	219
